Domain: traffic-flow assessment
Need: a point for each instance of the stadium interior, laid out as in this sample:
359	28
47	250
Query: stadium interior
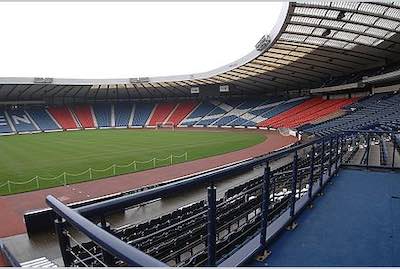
324	84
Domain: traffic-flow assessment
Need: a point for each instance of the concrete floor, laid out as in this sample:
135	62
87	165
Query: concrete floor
356	223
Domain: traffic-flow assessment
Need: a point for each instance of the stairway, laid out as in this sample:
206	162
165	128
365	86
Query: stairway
39	263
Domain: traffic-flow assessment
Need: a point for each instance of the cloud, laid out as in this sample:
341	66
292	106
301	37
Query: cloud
128	39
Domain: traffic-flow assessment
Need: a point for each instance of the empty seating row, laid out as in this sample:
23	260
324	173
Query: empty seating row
312	115
306	112
378	111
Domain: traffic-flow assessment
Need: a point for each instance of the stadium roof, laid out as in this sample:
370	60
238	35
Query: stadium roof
310	43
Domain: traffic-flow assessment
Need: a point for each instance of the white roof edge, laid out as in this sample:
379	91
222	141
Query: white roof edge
273	35
390	75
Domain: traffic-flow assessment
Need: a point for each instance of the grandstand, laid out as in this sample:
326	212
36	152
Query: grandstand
322	87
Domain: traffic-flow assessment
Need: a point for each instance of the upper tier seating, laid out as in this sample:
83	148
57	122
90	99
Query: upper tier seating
21	120
63	116
42	118
123	113
161	113
142	113
202	110
84	114
370	113
181	111
4	124
102	113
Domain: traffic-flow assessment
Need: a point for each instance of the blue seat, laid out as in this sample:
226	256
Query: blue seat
122	114
42	118
142	113
102	112
21	121
4	124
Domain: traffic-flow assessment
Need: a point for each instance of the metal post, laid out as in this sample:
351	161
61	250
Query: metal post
211	225
107	257
341	148
330	157
63	240
293	225
336	153
273	186
394	148
311	179
322	163
265	206
368	139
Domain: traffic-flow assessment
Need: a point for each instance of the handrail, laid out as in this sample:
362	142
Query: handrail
161	191
134	257
127	253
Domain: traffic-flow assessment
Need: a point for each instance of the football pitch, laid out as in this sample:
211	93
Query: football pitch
37	161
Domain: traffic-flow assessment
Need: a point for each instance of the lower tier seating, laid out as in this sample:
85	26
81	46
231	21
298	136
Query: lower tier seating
377	111
306	112
21	121
179	238
4	124
142	113
312	115
84	114
161	113
42	118
102	113
123	113
181	111
63	116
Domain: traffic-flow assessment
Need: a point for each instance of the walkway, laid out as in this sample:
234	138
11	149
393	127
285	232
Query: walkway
356	223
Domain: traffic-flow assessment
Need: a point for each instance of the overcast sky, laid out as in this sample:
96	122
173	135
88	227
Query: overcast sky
121	40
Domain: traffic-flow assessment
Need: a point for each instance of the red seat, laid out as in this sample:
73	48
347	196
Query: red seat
84	114
161	113
307	112
63	116
181	111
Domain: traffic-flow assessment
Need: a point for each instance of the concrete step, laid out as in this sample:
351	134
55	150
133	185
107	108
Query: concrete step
39	263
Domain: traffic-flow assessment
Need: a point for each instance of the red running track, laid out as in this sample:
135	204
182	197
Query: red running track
13	207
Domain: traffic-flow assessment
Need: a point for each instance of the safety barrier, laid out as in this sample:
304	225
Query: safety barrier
63	179
260	210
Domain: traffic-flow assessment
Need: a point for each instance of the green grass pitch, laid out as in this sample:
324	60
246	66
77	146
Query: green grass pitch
47	155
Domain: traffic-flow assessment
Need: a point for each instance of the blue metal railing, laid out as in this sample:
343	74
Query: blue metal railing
330	151
128	254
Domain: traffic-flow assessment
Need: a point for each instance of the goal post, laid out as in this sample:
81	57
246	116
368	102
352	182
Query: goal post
165	125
